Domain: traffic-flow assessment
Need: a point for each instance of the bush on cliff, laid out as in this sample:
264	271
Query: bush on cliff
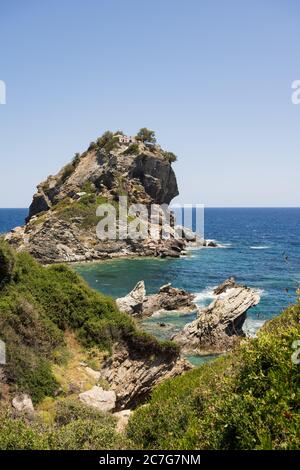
246	400
108	141
132	149
7	263
146	135
169	156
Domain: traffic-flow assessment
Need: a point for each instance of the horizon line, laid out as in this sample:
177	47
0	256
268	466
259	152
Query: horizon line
205	207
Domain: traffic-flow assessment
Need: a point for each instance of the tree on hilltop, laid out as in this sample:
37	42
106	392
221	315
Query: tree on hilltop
146	135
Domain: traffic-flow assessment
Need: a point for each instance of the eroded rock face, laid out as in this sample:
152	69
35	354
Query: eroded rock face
227	284
98	398
132	303
168	298
219	325
157	177
132	375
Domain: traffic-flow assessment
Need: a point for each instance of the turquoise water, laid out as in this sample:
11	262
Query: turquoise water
261	249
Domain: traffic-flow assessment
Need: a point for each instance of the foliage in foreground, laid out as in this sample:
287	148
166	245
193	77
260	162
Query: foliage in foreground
75	426
249	399
38	304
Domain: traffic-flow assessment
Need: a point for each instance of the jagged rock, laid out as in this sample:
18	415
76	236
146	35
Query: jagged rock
157	177
227	284
133	302
133	374
211	244
122	419
168	298
185	233
98	398
219	325
40	203
23	404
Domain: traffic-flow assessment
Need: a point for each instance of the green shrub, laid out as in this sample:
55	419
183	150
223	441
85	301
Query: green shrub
170	156
146	135
7	263
105	139
39	382
69	410
67	171
80	428
87	434
76	160
92	146
88	187
246	400
108	141
132	149
39	304
16	434
111	145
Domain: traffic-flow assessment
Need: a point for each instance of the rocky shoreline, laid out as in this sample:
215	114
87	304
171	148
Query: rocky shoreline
217	327
130	377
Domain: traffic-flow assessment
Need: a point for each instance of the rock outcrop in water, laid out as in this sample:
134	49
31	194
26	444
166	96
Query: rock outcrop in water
219	325
132	303
167	298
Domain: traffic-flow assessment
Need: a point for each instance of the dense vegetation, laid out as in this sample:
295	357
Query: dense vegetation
39	304
74	426
249	399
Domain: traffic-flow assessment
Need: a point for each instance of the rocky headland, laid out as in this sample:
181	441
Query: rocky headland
61	226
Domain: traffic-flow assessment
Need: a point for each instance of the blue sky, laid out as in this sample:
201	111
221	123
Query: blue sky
213	78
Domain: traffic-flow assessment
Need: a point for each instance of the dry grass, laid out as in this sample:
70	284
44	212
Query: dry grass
72	373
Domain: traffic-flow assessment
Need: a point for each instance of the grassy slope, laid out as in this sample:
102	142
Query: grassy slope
38	305
249	399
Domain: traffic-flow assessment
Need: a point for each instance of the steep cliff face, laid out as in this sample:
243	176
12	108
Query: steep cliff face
62	221
147	173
